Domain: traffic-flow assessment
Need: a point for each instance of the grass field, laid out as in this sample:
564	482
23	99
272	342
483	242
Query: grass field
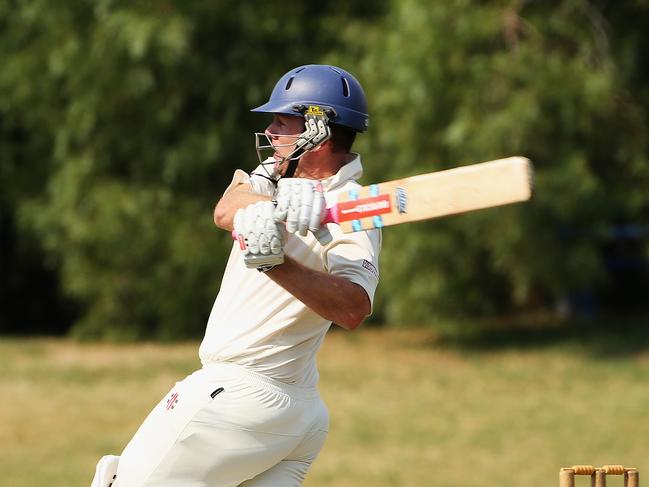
408	408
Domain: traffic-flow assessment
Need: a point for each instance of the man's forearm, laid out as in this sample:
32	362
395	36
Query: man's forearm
334	298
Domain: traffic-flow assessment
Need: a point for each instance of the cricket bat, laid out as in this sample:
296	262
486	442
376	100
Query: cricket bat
433	195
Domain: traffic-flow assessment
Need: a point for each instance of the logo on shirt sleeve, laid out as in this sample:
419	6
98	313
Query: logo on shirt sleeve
371	267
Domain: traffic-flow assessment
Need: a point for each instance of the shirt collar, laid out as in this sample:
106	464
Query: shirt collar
352	170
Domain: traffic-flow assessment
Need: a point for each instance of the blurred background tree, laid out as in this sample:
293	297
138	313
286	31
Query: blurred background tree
460	81
122	122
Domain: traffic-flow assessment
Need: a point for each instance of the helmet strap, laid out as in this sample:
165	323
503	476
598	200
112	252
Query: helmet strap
292	164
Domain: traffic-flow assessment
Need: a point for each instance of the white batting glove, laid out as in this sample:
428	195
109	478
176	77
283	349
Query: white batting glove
259	235
301	204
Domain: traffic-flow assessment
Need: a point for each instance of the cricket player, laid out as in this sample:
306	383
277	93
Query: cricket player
252	415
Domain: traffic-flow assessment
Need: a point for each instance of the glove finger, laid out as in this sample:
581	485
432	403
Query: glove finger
253	244
294	207
269	229
317	211
259	222
306	203
267	210
264	244
250	216
283	200
275	245
251	231
238	222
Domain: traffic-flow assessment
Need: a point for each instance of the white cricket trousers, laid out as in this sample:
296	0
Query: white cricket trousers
226	426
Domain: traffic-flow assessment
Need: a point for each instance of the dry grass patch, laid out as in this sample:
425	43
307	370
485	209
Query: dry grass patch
406	410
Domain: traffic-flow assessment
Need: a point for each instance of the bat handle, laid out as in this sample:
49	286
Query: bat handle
322	235
331	215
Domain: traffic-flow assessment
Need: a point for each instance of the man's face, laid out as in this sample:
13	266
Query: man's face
283	132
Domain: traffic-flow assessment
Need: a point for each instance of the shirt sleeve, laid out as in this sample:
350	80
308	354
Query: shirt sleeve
259	183
355	257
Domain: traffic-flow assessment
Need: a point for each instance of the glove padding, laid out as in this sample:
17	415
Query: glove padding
259	235
301	204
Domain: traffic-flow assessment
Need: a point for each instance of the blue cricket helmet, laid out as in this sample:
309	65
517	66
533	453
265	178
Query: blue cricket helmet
321	85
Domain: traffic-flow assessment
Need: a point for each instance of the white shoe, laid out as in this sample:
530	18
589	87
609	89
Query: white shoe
106	471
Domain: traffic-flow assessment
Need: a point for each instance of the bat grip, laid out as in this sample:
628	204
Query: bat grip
323	235
331	215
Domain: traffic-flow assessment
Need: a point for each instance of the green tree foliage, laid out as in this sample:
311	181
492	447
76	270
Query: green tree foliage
122	122
460	82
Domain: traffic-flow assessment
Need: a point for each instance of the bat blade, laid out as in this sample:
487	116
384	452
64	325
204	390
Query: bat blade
433	195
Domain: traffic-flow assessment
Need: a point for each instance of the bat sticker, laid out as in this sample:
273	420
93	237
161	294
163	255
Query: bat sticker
364	207
402	201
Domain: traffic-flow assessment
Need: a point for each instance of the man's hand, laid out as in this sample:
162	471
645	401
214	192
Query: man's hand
301	204
259	235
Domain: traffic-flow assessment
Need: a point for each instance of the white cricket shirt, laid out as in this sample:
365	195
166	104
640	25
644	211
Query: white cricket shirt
258	324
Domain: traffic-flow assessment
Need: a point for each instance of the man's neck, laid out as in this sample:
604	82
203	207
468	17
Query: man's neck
312	168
